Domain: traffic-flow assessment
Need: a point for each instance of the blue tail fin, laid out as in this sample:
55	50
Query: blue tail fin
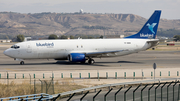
149	30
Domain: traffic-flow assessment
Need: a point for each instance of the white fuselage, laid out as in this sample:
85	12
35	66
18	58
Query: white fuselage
60	49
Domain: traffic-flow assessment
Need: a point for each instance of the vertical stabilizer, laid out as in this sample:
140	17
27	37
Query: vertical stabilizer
149	29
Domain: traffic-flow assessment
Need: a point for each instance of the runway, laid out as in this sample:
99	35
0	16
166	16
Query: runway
167	61
141	60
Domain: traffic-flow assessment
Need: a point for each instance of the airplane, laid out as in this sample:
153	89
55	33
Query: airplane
82	50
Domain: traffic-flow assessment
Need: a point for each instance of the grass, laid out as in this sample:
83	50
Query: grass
15	89
66	85
25	88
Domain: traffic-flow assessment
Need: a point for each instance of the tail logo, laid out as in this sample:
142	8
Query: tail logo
151	27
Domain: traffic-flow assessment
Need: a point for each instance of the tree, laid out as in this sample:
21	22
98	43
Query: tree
52	36
71	37
20	38
101	37
176	38
63	37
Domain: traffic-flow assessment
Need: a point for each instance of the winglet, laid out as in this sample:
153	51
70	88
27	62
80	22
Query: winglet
149	29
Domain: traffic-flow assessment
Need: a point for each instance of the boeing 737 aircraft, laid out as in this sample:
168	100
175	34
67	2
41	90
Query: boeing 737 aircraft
82	50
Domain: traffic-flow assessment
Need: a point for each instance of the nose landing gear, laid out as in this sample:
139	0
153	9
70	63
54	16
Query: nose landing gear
22	62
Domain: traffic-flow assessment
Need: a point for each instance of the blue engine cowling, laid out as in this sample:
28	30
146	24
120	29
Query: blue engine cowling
77	57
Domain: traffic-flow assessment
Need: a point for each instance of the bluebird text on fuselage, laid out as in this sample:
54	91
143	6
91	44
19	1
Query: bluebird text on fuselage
45	44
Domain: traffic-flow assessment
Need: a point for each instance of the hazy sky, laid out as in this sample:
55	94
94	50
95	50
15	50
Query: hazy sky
170	8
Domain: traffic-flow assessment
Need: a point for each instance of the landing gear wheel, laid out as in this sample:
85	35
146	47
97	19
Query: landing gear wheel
22	62
91	61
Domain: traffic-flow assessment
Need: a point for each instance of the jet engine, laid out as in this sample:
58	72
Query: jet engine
77	57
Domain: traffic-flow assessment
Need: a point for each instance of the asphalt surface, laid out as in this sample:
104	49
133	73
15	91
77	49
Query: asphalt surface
144	59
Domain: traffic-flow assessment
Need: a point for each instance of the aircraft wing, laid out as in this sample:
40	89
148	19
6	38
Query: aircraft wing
104	52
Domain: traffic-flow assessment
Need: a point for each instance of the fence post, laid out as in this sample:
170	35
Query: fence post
34	76
61	75
134	75
142	91
173	89
80	75
23	76
149	92
52	75
161	90
70	75
160	74
106	75
71	97
55	97
115	75
0	76
134	92
15	76
124	75
84	95
34	86
89	75
107	94
151	75
168	90
126	92
7	76
178	91
177	73
155	90
169	73
43	76
96	95
98	75
117	93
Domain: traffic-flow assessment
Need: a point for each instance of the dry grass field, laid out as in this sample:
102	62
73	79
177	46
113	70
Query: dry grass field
25	88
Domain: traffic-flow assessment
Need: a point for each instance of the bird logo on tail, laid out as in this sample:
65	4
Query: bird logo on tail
151	27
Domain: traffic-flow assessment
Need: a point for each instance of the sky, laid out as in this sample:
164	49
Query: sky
170	8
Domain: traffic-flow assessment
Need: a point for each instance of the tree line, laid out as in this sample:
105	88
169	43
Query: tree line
97	36
167	33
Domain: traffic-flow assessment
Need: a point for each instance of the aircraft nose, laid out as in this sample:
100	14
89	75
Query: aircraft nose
6	52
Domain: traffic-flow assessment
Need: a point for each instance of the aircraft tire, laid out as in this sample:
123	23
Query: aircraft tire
91	61
22	62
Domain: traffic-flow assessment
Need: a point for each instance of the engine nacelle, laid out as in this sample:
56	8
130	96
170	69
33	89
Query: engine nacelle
77	57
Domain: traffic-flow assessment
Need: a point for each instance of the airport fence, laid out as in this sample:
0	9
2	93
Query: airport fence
162	91
20	87
91	75
132	91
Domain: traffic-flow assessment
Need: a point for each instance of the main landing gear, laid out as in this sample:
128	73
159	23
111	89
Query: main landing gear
22	62
91	61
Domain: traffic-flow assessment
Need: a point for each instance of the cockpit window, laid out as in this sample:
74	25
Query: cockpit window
15	46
